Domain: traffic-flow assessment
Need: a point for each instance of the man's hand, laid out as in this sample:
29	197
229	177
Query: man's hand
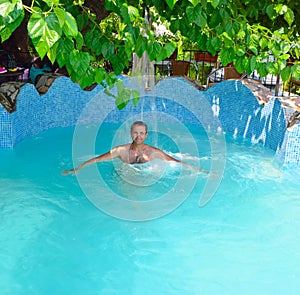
66	172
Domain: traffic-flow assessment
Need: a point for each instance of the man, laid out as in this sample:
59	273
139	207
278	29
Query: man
132	153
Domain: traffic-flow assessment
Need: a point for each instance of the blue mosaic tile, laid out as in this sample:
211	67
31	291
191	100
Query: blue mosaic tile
228	105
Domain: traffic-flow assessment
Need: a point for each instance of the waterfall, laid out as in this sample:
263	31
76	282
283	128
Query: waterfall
143	71
143	68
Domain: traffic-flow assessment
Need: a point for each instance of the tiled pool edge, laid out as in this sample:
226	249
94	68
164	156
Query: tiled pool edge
233	103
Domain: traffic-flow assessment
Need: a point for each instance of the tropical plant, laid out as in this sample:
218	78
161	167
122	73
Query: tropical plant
244	33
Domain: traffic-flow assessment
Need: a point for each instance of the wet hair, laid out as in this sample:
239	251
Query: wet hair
140	123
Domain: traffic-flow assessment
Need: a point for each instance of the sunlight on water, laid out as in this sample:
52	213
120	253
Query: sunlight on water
55	241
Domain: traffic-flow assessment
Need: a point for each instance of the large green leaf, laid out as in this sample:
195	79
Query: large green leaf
87	78
289	16
123	96
60	14
196	15
153	50
170	48
10	10
108	49
44	31
11	16
64	48
285	74
117	64
135	95
80	61
140	46
70	25
227	55
99	75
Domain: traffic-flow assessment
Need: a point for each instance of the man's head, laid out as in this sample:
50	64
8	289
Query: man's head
138	132
139	123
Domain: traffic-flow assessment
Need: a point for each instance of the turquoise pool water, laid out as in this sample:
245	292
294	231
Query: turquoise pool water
53	240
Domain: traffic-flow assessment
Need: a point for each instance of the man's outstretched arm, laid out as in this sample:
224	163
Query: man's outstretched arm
159	154
114	153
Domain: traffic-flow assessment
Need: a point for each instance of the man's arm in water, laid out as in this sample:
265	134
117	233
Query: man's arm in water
114	153
159	154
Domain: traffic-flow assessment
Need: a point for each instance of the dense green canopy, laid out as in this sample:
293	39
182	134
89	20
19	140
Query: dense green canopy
83	38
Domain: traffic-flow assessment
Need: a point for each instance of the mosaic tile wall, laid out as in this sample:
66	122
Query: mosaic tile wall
290	154
228	105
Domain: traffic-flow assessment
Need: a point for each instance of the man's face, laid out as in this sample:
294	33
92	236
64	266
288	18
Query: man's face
138	134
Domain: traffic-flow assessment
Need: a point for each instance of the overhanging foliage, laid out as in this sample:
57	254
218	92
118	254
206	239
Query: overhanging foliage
244	33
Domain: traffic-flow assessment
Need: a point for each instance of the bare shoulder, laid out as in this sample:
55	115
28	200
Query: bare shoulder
122	152
154	152
123	147
154	149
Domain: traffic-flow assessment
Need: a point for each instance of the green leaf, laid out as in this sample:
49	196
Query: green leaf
253	49
94	41
51	2
52	52
65	47
80	62
135	96
285	74
10	10
262	69
117	64
99	75
124	95
171	3
133	31
271	12
213	45
284	47
82	21
11	16
202	41
153	50
162	55
44	31
215	3
110	79
289	16
133	13
70	26
280	8
170	48
227	55
239	66
87	78
8	29
284	56
196	15
253	63
124	13
215	19
263	42
240	51
295	70
107	50
297	52
140	46
79	41
60	13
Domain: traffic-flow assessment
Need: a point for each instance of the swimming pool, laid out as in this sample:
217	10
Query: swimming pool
245	240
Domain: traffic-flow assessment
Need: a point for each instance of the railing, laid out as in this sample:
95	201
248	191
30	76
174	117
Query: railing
207	70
